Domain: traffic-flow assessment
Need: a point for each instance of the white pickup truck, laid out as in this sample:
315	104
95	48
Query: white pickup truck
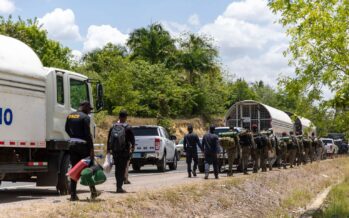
154	146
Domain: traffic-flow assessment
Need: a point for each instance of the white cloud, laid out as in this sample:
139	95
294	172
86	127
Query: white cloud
99	36
175	29
76	55
7	6
194	20
60	24
250	42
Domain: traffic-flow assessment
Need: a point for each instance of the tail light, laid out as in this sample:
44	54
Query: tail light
157	144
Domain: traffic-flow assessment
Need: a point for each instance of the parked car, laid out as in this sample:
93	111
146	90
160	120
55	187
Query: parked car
154	146
180	148
330	147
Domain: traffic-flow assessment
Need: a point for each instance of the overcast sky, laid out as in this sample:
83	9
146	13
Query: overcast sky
249	40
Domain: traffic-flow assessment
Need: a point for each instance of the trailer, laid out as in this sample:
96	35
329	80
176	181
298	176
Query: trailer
249	112
34	104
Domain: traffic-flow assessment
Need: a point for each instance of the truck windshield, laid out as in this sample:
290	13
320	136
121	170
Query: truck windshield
221	130
145	131
327	142
78	93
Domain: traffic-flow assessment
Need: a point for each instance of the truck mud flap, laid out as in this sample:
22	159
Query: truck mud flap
50	178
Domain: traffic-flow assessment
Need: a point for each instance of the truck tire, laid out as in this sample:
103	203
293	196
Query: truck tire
162	164
63	185
173	165
136	167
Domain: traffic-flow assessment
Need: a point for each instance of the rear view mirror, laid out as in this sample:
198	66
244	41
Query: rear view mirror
100	93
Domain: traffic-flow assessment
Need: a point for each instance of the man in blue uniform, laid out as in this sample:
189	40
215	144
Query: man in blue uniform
190	143
211	150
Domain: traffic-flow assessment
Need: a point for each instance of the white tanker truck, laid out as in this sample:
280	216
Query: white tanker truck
34	104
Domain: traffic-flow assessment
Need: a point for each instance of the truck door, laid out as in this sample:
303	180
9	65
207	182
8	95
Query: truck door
79	91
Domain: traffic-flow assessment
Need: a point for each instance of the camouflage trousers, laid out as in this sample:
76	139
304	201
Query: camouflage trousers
259	157
232	154
292	153
307	155
282	156
245	156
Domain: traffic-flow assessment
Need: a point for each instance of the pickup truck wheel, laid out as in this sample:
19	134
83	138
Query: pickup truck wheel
201	167
162	164
63	185
136	167
173	165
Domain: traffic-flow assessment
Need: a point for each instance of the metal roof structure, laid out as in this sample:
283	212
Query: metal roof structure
249	112
18	58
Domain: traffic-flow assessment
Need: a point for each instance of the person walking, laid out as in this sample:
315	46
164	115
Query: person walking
211	150
190	143
260	153
292	149
247	143
77	127
121	142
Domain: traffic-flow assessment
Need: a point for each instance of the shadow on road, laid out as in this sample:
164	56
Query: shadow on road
20	194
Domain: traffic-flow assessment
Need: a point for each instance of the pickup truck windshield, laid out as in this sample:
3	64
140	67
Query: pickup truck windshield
145	131
327	142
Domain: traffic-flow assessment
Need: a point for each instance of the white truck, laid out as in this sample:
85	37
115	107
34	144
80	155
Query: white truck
34	104
154	146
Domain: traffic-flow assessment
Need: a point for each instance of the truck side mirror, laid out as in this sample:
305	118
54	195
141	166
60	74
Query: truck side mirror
100	93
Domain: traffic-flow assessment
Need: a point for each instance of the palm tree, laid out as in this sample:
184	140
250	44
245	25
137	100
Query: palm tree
197	56
153	44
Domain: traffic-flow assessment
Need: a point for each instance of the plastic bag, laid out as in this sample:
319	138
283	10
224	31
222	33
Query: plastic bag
108	163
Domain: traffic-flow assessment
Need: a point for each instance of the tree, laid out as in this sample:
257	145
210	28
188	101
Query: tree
51	53
239	91
319	49
153	44
197	56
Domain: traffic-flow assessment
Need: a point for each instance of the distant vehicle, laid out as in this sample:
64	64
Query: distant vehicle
180	148
154	146
336	136
330	147
222	157
342	147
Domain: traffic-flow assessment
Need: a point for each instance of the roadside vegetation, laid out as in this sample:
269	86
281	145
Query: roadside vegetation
337	203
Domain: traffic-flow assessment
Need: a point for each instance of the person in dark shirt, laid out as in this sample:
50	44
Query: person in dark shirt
211	150
121	158
77	127
190	143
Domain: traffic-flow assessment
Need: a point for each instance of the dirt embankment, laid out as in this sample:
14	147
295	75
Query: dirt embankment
179	125
280	193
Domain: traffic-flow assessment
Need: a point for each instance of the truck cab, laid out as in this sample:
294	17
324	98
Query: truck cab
34	104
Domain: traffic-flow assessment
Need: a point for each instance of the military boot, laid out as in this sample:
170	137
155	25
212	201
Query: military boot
194	173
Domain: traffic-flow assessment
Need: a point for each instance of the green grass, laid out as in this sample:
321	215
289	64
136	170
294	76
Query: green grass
337	204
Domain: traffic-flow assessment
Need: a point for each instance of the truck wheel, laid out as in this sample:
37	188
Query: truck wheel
63	185
136	167
173	166
162	164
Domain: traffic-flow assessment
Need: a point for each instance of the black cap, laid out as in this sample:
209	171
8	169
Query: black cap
123	114
86	104
212	128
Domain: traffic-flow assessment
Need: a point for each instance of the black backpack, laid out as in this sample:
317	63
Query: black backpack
118	137
261	141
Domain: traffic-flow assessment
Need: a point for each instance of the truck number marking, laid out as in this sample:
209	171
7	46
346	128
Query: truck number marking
6	116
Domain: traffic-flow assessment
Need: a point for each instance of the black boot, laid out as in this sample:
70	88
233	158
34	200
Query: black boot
189	174
194	173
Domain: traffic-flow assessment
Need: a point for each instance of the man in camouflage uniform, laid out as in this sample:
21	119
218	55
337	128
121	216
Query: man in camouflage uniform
300	149
230	143
260	153
273	146
246	143
282	150
292	149
317	147
307	150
